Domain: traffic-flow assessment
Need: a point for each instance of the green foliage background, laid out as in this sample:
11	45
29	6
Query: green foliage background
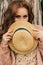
42	10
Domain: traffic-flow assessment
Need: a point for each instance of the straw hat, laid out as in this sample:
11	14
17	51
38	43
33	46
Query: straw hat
22	41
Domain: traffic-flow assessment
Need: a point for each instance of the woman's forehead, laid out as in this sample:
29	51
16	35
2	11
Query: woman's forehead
22	10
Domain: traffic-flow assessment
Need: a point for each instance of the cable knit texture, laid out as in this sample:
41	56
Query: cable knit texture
7	57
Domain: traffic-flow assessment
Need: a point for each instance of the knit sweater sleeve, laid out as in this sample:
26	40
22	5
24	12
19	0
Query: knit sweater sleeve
5	56
41	48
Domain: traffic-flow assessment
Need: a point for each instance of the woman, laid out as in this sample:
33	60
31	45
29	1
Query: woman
18	11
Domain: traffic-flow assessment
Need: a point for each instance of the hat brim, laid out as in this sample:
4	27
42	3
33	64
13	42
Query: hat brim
30	28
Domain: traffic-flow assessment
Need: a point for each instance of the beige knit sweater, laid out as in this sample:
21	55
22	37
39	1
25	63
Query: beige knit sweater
7	57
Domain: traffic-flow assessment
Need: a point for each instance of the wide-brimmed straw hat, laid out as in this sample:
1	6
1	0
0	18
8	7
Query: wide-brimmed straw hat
23	41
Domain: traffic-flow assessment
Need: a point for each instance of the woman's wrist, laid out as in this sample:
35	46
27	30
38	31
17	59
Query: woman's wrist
3	44
41	45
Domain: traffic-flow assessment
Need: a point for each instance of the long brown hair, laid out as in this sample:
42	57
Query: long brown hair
11	12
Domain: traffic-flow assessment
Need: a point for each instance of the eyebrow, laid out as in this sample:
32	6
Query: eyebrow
20	15
17	16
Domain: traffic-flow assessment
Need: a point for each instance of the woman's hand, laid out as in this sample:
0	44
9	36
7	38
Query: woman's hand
7	37
38	33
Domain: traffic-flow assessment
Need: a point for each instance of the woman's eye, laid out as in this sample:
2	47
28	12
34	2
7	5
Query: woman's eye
25	16
17	16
